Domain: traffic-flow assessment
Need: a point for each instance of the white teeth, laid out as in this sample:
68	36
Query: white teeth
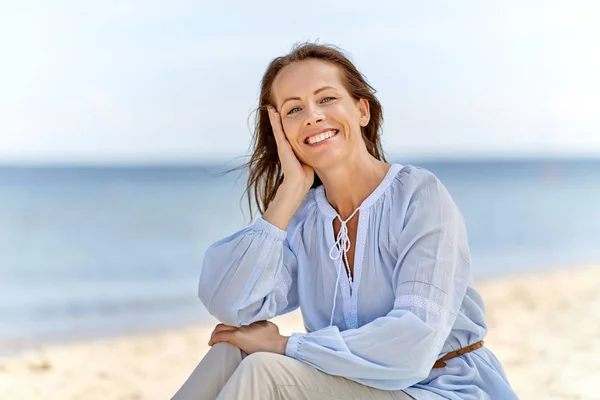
320	137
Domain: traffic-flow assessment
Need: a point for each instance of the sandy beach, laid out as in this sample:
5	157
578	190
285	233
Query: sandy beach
545	328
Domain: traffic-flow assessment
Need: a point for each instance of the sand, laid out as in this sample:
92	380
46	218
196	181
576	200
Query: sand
545	329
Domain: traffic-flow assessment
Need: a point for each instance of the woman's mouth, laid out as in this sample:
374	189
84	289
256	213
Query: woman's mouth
321	137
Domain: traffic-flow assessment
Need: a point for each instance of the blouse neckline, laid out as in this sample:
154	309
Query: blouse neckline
385	183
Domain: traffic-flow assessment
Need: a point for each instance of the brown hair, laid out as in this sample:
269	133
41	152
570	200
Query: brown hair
265	172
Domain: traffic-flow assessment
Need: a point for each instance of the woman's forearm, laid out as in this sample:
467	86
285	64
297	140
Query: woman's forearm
283	207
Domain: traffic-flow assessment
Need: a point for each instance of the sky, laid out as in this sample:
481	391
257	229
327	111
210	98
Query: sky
177	81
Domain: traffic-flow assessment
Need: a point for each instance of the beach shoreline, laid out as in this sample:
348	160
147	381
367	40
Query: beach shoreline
544	327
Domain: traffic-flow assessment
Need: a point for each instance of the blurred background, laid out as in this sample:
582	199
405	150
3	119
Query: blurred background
118	117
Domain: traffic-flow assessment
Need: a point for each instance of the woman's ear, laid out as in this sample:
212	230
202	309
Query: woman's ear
365	114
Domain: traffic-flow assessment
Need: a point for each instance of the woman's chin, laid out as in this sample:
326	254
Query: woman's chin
327	159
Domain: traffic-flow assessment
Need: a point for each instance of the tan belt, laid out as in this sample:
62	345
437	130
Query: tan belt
441	364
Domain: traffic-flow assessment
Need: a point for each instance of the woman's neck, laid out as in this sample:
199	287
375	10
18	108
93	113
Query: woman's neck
347	185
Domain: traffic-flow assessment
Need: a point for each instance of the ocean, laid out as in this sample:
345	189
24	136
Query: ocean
89	252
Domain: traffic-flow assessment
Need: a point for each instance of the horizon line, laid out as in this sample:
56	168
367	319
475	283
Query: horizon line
188	163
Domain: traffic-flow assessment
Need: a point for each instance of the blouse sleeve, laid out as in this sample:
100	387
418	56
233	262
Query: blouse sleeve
249	276
430	279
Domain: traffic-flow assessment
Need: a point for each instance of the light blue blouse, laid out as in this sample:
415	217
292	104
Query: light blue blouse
410	303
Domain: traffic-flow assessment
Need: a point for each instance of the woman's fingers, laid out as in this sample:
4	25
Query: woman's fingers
287	157
276	125
294	170
284	149
222	336
218	329
223	327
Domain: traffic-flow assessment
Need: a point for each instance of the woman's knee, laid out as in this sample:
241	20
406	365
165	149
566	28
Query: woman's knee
226	351
224	347
260	360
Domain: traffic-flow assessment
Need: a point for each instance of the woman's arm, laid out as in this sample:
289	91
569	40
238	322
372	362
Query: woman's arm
430	279
249	276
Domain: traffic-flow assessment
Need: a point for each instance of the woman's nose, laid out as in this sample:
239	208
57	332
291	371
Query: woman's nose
314	115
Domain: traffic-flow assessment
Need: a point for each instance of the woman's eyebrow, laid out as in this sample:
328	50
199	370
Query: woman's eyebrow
316	92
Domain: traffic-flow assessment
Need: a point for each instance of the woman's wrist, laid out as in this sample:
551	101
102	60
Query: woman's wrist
283	207
282	345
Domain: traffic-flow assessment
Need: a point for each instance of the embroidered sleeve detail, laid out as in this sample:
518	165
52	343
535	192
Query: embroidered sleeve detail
419	302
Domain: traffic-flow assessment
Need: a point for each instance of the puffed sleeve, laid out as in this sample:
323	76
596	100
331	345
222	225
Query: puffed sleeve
249	276
430	279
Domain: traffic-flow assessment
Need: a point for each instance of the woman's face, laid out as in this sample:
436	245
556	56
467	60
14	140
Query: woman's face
320	119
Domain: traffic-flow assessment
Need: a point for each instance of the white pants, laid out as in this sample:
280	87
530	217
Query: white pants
227	373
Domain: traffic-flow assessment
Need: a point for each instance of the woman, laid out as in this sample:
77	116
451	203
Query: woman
375	255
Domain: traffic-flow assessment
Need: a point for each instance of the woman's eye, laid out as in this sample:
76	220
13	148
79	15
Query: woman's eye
293	110
327	99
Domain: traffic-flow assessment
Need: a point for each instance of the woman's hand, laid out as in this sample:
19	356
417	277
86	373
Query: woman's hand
297	178
258	336
295	172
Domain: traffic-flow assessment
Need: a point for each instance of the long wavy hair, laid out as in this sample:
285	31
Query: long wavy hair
264	168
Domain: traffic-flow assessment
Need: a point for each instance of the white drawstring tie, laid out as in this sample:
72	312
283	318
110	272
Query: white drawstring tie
342	245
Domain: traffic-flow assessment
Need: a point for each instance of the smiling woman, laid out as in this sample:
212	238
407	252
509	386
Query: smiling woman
310	80
402	321
314	119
